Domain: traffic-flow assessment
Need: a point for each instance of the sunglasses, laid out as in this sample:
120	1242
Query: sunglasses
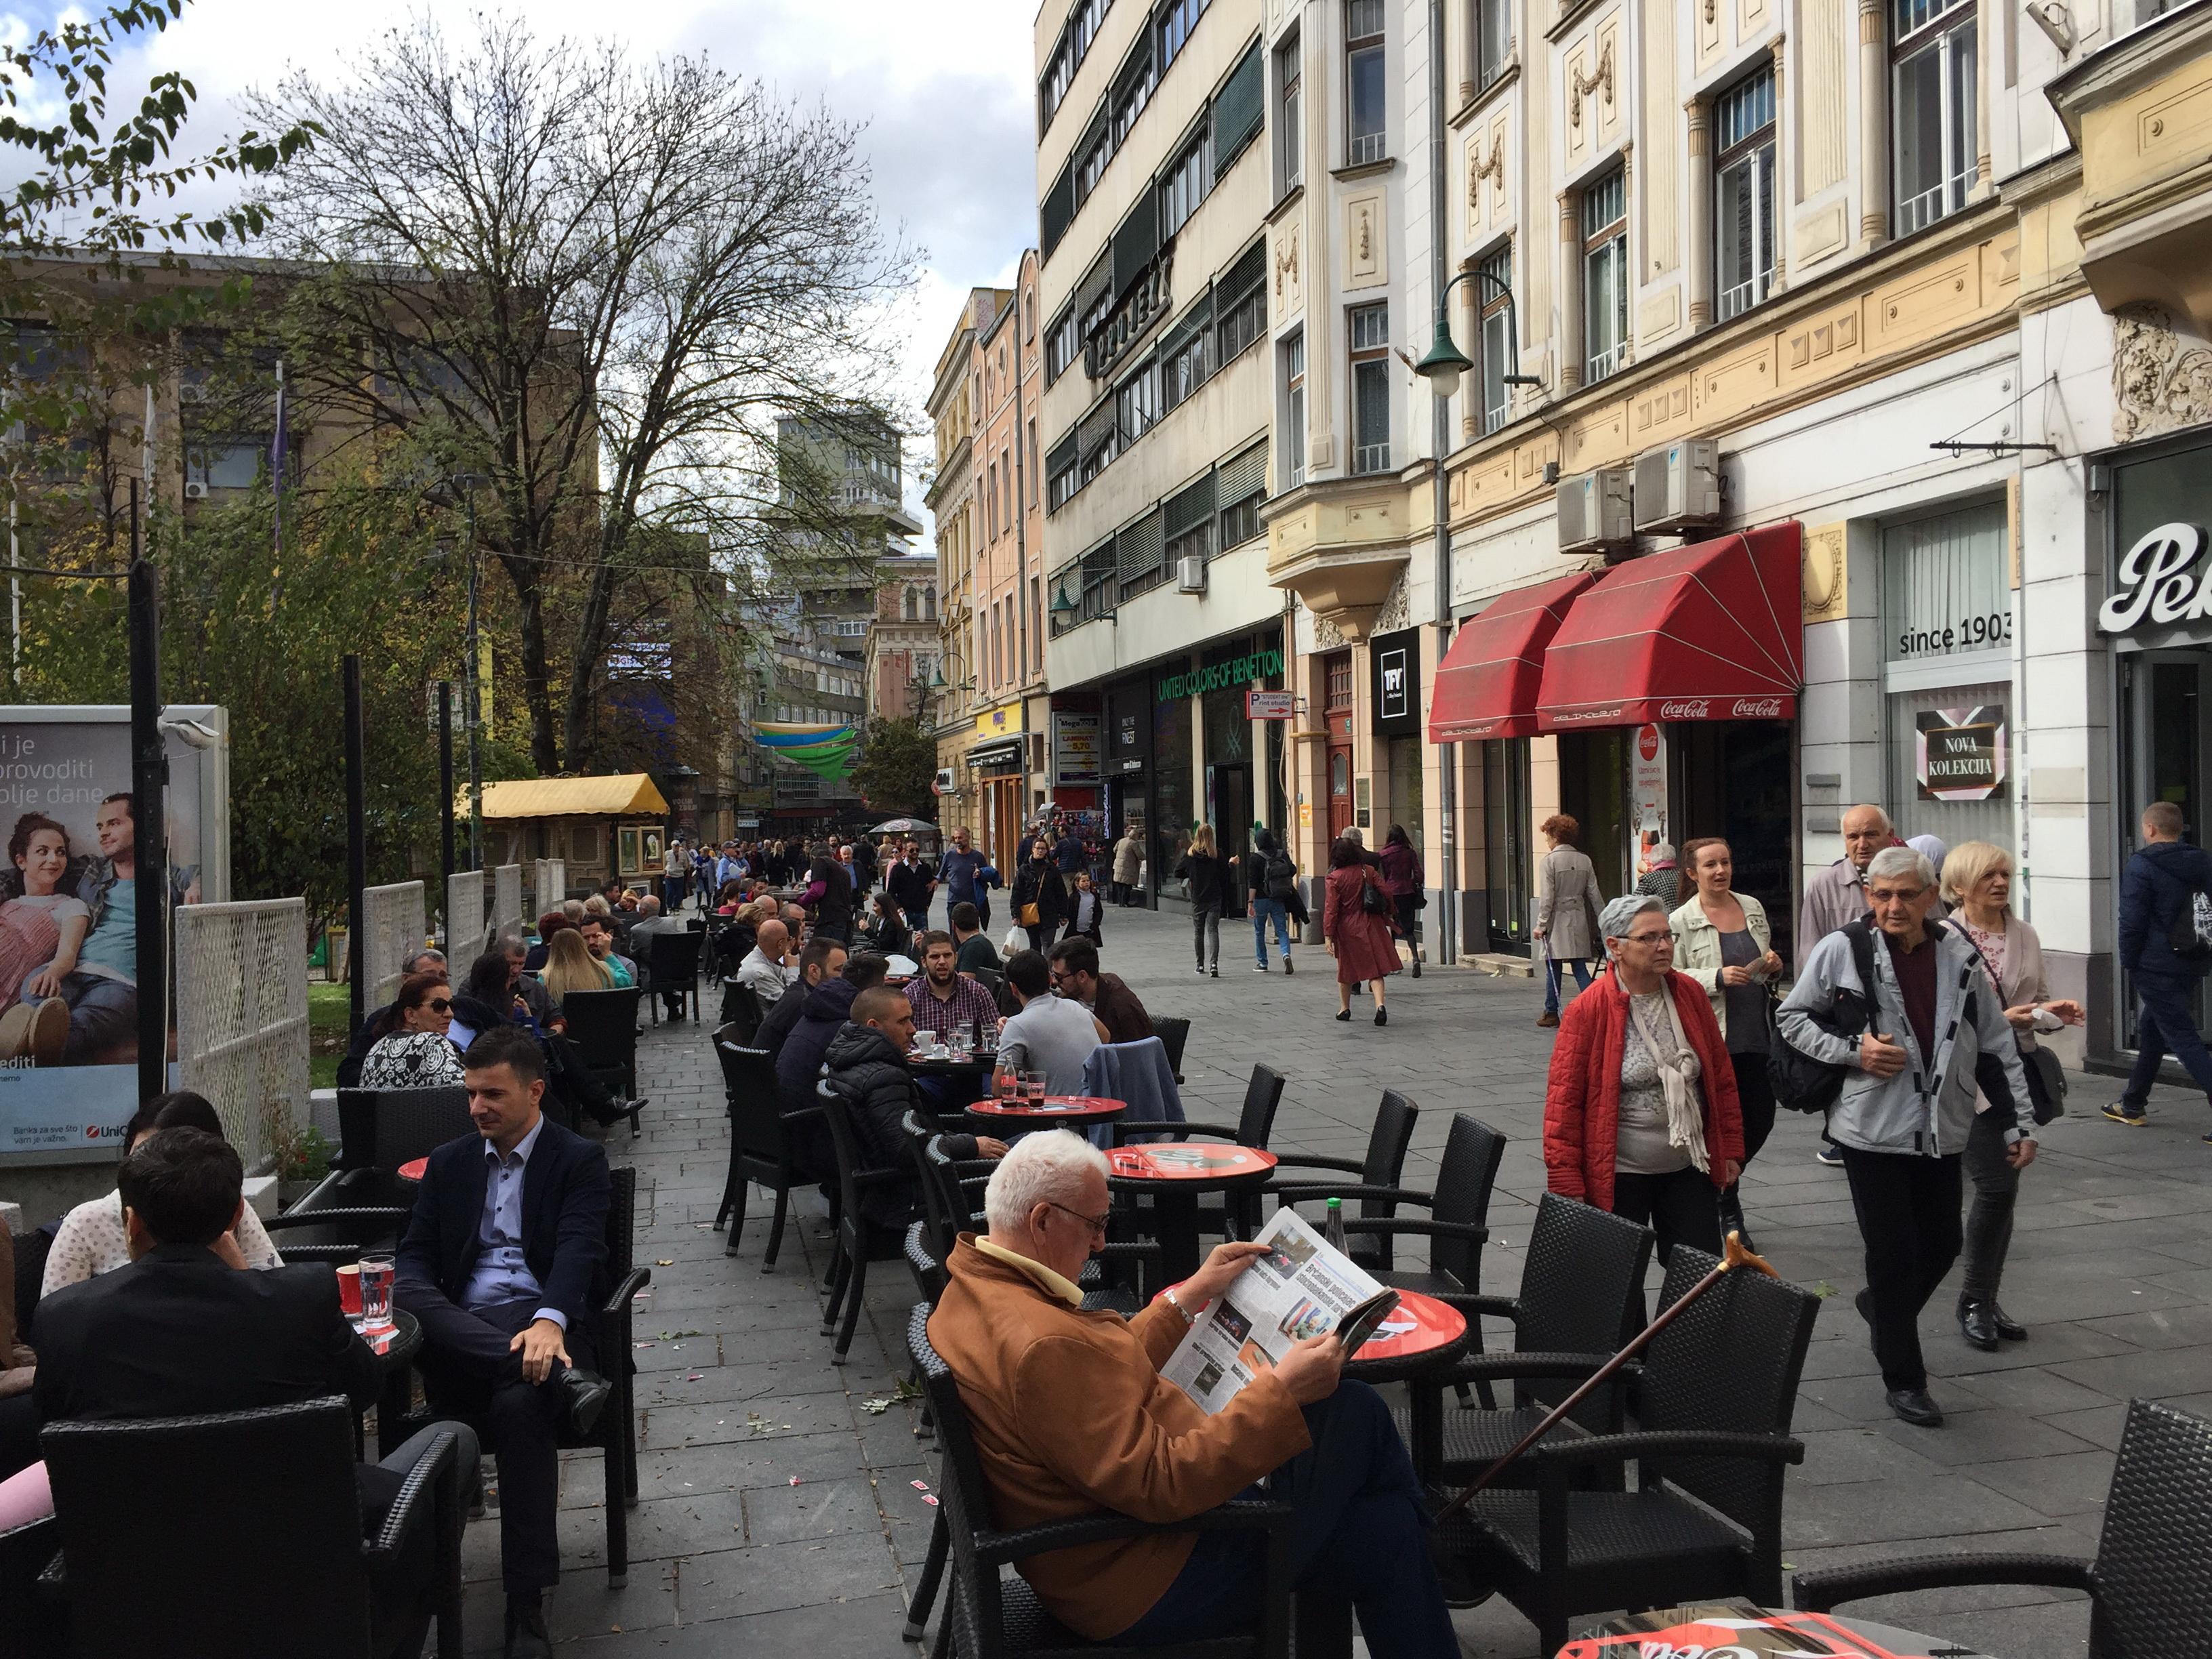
440	1005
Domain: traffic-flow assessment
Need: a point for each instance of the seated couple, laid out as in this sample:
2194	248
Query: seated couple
1031	1362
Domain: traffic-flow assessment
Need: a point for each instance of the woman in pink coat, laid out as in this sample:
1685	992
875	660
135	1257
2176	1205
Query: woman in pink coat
1359	940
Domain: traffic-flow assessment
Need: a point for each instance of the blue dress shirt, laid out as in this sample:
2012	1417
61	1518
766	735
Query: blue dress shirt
501	1274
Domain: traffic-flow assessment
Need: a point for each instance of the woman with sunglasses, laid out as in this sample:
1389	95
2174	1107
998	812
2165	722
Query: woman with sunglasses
414	1050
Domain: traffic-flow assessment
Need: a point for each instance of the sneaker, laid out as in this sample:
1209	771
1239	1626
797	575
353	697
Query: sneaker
1199	970
2120	1112
1259	966
1830	1154
1214	972
1288	969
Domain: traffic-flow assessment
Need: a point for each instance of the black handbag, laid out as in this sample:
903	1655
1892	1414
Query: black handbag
2046	1078
1798	1080
1372	899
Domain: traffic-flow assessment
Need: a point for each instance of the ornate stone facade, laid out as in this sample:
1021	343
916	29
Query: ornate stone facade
2161	378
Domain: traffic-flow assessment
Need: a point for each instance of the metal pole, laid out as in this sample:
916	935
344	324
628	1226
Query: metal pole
149	772
14	594
356	839
445	778
1446	931
472	704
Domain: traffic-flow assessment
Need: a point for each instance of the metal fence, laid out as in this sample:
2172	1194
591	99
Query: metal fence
242	1017
467	933
393	927
507	899
552	879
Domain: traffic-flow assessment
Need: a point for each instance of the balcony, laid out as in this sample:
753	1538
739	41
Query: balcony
2140	113
1341	544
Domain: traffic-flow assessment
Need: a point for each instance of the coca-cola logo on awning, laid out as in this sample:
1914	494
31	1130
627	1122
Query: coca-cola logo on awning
1757	708
1687	709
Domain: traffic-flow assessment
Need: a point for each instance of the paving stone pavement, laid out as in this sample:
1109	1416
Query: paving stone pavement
777	1514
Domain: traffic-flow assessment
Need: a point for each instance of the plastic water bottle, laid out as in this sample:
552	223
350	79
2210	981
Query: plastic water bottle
1334	1230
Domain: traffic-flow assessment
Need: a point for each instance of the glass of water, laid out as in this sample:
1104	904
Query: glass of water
378	1271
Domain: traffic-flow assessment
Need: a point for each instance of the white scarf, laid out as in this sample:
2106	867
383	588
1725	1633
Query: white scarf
1684	1118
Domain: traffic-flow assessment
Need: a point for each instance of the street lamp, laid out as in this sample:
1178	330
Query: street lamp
1446	363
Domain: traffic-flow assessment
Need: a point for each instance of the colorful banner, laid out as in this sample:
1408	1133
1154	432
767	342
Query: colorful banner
825	750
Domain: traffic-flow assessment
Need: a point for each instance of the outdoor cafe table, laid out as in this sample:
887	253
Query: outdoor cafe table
1420	1333
968	1069
1077	1112
1172	1175
395	1350
1738	1626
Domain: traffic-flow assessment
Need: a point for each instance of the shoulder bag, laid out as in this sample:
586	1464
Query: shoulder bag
1798	1080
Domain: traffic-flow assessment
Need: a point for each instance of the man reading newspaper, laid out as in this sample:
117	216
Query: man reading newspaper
1071	1414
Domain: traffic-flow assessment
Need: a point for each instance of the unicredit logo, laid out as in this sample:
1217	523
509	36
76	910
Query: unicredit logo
1759	709
1696	709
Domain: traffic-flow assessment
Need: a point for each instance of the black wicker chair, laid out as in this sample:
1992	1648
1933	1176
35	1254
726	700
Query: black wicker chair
1173	1033
742	1014
2150	1583
760	1150
855	1239
998	1618
261	1548
671	969
1377	1188
603	1027
1578	1285
1459	1217
1712	1441
615	1433
363	1203
32	1627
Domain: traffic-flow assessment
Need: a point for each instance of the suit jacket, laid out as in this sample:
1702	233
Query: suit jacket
566	1190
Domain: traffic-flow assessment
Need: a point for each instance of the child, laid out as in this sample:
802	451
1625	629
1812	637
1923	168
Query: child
1084	910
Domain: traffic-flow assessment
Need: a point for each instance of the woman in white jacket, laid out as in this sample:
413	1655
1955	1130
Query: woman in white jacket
1723	941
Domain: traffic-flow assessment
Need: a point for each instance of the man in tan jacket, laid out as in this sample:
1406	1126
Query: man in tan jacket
1071	1415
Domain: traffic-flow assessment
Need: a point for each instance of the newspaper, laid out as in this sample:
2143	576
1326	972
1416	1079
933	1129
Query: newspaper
1300	1288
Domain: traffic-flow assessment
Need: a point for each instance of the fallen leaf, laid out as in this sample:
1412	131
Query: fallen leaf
664	1261
794	1479
927	1499
875	1407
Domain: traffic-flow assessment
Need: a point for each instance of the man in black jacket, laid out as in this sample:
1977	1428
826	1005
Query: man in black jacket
910	886
822	959
504	1264
187	1328
866	1065
2158	894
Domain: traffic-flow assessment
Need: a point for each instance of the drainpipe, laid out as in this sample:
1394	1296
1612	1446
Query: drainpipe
1445	940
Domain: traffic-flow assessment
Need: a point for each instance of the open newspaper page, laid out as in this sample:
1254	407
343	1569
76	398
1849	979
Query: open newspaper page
1300	1288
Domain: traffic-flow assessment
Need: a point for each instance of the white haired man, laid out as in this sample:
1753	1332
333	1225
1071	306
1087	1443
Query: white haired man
1070	1413
1838	893
1909	1098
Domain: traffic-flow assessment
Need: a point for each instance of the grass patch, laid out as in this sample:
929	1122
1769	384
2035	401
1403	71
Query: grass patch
330	1024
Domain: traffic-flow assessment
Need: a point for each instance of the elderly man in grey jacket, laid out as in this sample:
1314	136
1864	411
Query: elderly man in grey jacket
1908	1099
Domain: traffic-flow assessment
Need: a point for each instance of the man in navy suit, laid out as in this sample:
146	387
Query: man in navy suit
504	1264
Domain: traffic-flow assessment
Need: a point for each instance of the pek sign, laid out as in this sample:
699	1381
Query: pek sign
2156	584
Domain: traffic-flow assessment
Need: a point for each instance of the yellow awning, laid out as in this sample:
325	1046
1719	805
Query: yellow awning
625	794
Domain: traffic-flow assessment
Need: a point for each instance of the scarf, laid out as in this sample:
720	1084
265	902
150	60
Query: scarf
1685	1125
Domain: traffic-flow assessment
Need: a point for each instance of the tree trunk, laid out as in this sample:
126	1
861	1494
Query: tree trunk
530	602
591	649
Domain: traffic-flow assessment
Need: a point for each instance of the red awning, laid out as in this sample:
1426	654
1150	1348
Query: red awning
1487	684
1713	632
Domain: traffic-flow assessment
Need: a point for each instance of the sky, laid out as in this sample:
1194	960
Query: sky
942	86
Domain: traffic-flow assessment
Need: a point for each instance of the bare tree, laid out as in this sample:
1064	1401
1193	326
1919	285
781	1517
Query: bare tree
596	285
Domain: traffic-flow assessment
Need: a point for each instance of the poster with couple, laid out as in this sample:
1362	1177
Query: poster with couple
69	973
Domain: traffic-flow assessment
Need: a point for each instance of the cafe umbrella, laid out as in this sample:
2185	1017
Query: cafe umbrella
904	827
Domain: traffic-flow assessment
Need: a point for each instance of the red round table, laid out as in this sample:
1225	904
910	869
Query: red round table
1173	1174
1741	1626
1058	1112
413	1169
1419	1332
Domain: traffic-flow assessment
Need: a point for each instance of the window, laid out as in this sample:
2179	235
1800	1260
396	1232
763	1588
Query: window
1190	178
1289	160
1061	474
1493	38
1294	411
1365	85
1495	300
1241	303
1183	365
1743	218
1605	276
1138	403
1177	20
1368	330
1033	464
1188	518
1240	484
1097	149
1133	91
1932	107
1062	345
1037	616
226	463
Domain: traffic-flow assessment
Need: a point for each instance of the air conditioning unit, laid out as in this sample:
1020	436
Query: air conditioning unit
1678	487
1190	574
1594	509
195	490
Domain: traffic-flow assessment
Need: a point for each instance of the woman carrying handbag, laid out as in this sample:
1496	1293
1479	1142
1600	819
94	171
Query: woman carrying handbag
1355	924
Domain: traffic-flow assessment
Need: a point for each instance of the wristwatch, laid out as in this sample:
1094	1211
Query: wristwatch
1175	1302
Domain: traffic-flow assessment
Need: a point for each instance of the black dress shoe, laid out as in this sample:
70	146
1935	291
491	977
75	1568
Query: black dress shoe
1864	1303
1914	1406
526	1637
2008	1327
1978	1323
586	1393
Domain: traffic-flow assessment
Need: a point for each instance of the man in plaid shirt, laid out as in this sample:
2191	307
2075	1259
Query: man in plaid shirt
945	1000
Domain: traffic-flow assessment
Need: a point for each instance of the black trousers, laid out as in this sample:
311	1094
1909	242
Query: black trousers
1908	1212
1757	1100
468	1371
19	1435
1679	1207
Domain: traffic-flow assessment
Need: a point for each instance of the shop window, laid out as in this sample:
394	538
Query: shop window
1743	183
1932	108
1496	296
1369	331
1366	83
1505	850
1605	276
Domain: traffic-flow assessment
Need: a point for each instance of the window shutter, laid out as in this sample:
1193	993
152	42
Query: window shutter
1096	283
1247	273
1237	108
1062	458
1137	550
1097	429
1244	475
1056	212
1190	507
1136	240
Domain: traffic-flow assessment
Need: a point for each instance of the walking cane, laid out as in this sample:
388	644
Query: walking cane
1734	1255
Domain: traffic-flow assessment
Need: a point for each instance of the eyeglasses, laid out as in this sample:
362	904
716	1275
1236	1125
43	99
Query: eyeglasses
1095	1223
441	1005
1665	936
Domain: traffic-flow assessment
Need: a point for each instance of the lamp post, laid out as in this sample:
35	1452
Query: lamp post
1446	363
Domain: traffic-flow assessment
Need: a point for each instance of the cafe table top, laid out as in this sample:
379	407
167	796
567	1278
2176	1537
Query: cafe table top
1744	1628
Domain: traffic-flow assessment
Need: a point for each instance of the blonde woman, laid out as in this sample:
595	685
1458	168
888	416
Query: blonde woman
570	966
1209	877
1977	885
1723	941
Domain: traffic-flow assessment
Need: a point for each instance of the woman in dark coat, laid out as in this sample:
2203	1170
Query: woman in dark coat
1209	879
1038	883
1402	876
1361	942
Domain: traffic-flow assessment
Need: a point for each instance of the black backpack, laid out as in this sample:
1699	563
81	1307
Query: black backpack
1281	875
1797	1079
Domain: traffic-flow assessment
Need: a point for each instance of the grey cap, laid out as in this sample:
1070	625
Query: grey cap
1615	919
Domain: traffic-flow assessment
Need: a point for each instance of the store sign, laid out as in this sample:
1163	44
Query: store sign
1959	754
1075	742
1221	675
1270	705
1946	587
1394	661
1647	792
2155	582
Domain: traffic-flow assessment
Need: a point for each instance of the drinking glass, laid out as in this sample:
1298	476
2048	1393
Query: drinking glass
349	1292
959	1040
1033	1087
378	1271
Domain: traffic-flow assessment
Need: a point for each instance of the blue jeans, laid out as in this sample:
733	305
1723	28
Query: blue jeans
1359	1528
1263	908
1552	966
2165	1024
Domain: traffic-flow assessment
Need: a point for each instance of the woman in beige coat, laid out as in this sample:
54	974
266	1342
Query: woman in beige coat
1567	903
1723	941
1978	885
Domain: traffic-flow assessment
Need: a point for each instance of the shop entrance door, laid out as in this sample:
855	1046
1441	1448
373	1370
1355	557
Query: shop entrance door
2163	697
1505	829
1337	667
1594	792
1731	779
1229	808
